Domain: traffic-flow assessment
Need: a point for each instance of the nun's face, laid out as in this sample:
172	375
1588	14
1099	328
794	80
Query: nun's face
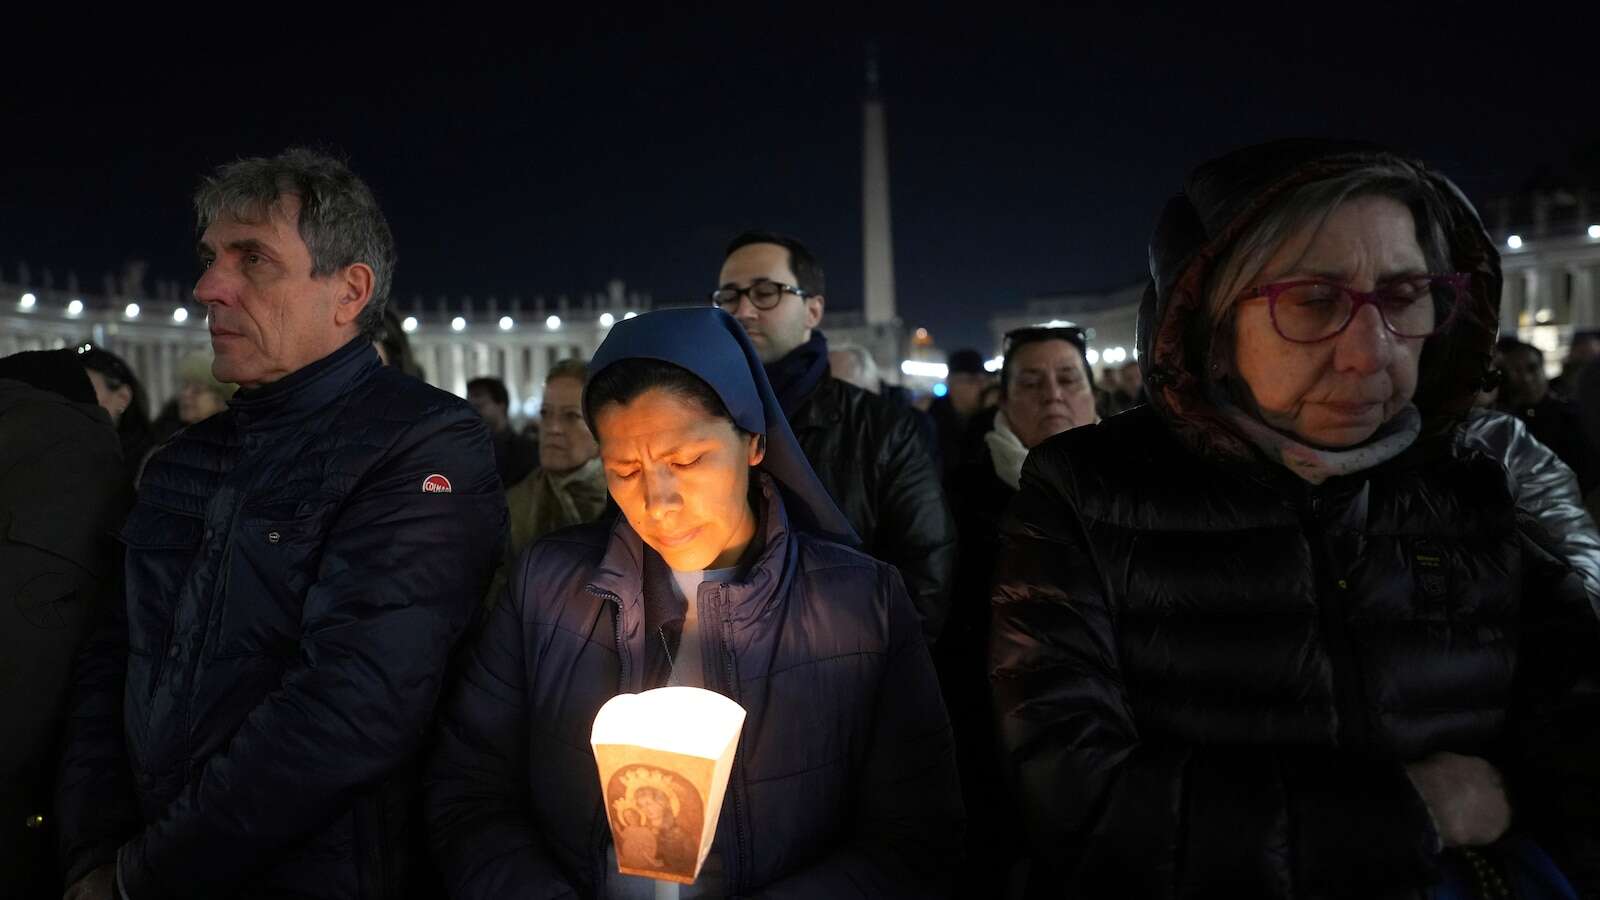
681	476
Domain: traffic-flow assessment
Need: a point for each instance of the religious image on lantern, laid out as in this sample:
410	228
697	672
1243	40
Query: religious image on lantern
664	758
657	816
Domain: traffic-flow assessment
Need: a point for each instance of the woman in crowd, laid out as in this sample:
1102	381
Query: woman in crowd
569	487
718	574
1281	633
200	394
123	398
1046	387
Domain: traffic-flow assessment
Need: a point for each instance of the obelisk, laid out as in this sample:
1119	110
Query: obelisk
877	245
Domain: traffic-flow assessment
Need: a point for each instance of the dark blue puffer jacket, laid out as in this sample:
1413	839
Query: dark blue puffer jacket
293	593
844	784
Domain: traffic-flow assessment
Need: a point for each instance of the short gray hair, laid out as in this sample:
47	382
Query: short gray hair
340	221
1311	204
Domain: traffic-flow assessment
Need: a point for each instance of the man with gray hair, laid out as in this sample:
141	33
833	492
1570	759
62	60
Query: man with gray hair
298	568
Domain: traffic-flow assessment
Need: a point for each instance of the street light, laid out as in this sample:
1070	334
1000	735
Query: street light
628	315
552	323
458	324
925	369
131	310
994	365
27	301
180	315
75	308
506	323
1092	355
607	320
409	325
1594	232
1514	242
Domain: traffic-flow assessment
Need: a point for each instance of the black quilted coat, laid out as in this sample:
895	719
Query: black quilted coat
844	784
248	727
1209	674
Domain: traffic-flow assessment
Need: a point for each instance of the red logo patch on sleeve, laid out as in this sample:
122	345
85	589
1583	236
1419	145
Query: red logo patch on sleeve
436	484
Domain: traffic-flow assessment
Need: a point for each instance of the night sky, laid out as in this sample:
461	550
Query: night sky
1029	153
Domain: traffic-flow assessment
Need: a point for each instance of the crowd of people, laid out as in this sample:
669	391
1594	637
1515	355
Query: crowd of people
1305	602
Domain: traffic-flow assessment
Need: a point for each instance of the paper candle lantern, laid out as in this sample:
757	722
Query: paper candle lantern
664	758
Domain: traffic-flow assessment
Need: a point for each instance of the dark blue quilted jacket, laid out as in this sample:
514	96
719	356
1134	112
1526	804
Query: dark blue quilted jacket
293	592
844	784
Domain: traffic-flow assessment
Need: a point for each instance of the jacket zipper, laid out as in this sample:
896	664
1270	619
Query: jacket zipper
603	832
1348	703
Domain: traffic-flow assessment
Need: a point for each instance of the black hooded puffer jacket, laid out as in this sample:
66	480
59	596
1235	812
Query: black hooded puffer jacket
1210	674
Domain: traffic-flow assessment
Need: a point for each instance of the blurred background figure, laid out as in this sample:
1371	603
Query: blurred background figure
200	394
989	399
1124	388
394	348
963	399
1553	419
515	455
1585	349
852	364
62	496
123	398
1046	387
569	486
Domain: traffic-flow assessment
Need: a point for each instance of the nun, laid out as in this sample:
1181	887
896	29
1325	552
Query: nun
729	569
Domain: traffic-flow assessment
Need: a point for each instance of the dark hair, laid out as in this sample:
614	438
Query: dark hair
339	219
1022	337
1507	345
807	270
494	387
965	360
135	421
397	347
624	380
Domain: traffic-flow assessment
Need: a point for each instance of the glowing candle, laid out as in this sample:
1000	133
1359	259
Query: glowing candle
664	757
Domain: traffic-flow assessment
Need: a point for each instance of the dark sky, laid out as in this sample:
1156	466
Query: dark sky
1029	152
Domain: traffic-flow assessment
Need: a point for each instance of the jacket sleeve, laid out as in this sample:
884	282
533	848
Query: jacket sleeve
1125	816
480	825
1545	488
1551	754
908	822
400	574
916	532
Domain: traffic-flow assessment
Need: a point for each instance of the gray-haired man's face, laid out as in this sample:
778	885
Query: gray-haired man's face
268	315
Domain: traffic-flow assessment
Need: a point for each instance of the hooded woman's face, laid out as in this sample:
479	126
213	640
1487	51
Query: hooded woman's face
1337	392
681	476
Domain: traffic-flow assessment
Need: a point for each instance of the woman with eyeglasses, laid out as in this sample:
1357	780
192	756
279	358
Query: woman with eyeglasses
1281	632
719	574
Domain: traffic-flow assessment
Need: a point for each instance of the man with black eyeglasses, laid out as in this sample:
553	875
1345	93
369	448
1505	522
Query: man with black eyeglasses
867	451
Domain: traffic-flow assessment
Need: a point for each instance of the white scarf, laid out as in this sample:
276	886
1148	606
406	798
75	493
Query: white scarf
1006	449
1317	466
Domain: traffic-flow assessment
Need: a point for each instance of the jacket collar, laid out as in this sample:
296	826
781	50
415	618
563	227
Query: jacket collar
307	390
